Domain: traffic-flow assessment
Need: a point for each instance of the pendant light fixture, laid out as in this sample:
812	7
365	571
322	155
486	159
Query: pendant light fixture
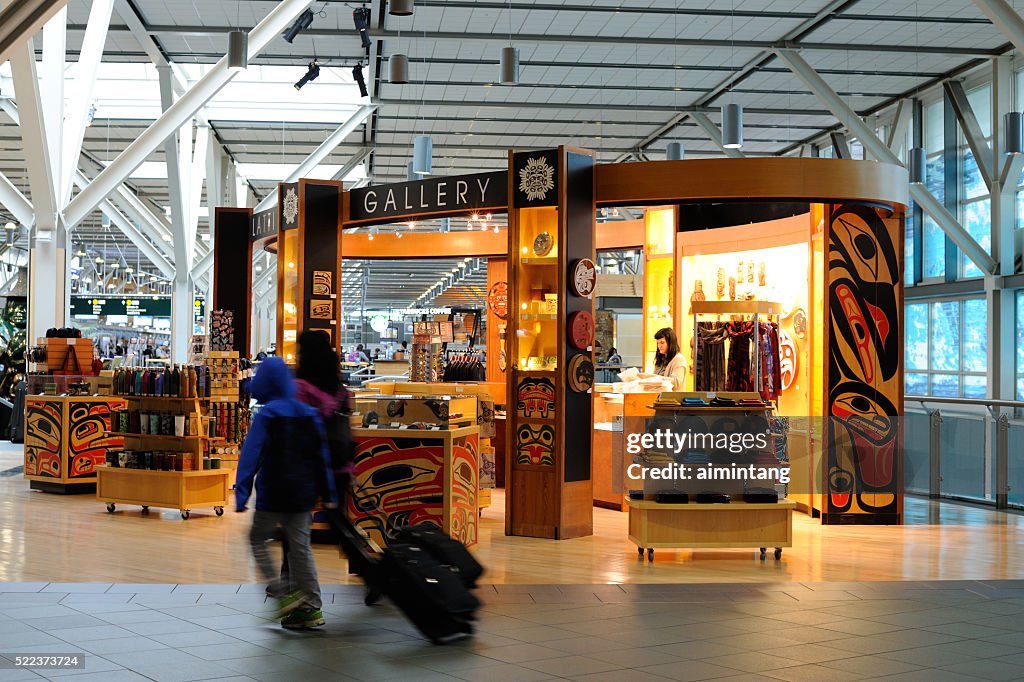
675	151
1013	138
916	159
410	174
400	8
238	50
509	66
422	155
398	66
508	61
732	126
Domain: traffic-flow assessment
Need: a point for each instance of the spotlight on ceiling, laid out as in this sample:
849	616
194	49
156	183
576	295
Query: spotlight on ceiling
361	18
238	51
311	75
90	115
357	76
304	21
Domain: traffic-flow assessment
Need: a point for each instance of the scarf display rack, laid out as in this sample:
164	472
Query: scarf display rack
750	309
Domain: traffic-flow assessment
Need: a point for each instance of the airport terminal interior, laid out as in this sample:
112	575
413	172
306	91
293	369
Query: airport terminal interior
698	327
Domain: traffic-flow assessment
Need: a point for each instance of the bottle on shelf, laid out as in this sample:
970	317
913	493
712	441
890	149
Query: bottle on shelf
193	382
166	388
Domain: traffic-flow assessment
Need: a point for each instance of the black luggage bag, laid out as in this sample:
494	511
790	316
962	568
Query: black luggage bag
444	549
431	595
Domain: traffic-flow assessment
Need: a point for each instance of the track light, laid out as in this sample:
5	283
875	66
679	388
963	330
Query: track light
361	18
357	76
311	75
238	51
400	8
304	21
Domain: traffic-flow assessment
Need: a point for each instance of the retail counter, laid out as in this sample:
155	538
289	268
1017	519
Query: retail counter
409	476
66	438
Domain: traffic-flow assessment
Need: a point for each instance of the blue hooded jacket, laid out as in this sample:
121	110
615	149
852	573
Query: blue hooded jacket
285	450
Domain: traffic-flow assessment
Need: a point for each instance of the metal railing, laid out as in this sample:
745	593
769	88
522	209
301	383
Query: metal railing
996	472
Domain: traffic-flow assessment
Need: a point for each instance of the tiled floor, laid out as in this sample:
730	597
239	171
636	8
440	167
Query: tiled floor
955	630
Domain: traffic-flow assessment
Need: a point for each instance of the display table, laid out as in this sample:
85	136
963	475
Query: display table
391	368
409	476
692	525
66	440
181	490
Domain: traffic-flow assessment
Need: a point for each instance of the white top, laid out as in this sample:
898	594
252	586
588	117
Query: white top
675	370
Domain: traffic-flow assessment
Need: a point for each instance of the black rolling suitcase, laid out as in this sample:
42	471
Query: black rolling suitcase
431	595
444	549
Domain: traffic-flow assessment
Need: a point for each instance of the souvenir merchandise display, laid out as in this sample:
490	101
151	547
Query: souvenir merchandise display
222	330
417	460
670	513
754	361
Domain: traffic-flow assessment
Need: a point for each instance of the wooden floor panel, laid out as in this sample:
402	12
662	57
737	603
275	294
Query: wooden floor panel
45	537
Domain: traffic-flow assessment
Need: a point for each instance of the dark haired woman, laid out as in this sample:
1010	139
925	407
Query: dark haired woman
668	361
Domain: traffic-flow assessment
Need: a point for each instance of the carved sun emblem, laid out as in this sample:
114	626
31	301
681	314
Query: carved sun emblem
290	208
536	179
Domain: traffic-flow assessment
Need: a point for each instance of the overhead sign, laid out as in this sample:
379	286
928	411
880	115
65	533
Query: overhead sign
431	196
263	224
132	306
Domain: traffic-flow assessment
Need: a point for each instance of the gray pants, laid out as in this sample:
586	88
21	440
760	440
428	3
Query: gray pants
301	567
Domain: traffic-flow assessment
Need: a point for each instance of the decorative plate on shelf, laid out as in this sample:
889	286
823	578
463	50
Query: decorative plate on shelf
581	373
581	329
584	278
800	323
543	244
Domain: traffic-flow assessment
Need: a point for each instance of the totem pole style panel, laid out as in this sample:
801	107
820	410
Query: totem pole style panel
864	384
550	337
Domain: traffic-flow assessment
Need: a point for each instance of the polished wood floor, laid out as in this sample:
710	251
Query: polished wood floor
53	538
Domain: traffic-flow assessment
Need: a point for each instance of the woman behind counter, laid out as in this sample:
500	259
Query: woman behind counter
668	361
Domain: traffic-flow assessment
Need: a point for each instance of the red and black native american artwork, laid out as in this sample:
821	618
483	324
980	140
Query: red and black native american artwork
44	438
88	442
535	398
865	363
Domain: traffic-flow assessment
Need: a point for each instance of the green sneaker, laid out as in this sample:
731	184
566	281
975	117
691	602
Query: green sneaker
289	603
303	619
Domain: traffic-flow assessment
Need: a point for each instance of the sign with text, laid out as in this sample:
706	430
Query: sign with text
132	306
430	196
263	224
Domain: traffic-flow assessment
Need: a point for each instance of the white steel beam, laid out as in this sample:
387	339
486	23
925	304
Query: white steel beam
81	92
897	137
849	118
196	178
351	164
33	133
55	51
22	19
204	264
1006	19
972	130
321	152
713	133
135	236
148	45
15	202
184	109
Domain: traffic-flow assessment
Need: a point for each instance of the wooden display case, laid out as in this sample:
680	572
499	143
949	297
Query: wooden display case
66	440
190	487
550	336
408	476
181	490
734	525
609	443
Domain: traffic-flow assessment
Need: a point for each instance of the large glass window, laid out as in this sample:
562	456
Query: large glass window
977	209
933	238
945	348
1020	345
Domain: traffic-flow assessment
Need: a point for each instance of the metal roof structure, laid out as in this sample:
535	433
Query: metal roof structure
622	77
